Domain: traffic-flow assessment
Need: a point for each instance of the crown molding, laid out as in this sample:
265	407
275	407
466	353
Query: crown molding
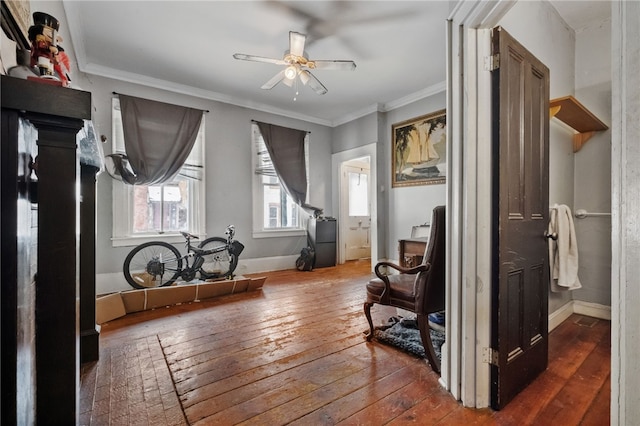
424	93
143	80
395	104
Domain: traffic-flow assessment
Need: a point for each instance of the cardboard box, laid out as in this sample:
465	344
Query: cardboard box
256	283
134	300
109	307
115	305
165	296
212	289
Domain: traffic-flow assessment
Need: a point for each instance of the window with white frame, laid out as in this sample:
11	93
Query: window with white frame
274	212
146	212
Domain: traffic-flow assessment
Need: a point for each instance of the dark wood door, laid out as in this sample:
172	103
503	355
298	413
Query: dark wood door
520	91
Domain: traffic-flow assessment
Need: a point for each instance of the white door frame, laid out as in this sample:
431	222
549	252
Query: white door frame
625	203
345	194
465	372
336	161
467	95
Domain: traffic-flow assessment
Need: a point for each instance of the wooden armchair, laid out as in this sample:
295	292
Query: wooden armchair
420	289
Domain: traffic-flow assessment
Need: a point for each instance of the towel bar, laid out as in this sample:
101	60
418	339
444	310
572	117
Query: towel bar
582	213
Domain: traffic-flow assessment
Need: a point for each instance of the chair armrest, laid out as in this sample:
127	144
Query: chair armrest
412	271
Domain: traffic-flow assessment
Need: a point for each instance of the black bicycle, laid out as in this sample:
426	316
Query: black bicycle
158	264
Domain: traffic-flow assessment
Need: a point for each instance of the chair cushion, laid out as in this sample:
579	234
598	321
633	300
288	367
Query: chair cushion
401	294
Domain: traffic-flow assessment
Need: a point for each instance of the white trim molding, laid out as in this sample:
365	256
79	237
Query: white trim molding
468	201
594	310
625	204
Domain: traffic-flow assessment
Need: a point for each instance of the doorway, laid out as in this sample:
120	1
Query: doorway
355	208
340	203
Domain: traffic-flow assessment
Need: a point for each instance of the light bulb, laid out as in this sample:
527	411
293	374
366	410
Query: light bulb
290	72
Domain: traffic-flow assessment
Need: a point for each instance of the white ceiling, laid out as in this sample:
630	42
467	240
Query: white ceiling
187	47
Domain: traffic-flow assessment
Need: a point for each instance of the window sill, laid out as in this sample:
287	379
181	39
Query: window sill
141	239
280	233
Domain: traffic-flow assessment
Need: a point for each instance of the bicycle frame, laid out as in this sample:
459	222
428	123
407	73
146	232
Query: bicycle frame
197	253
214	257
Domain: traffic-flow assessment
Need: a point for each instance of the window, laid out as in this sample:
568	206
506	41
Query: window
358	194
144	212
274	212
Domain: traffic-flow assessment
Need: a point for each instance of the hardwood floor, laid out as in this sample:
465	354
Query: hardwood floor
294	353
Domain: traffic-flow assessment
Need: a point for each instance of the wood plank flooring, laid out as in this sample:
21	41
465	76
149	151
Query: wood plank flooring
295	353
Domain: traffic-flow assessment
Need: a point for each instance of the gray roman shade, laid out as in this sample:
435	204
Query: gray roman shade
286	149
158	138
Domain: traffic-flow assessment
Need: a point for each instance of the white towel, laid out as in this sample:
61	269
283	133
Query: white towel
563	252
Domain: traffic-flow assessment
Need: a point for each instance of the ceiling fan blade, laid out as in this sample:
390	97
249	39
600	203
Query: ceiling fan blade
288	81
253	58
296	43
332	65
314	83
274	80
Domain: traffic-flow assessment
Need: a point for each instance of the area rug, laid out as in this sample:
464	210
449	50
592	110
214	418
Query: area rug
403	333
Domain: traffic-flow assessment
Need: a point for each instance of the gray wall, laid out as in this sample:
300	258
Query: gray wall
228	161
409	205
592	176
228	170
580	66
399	208
544	29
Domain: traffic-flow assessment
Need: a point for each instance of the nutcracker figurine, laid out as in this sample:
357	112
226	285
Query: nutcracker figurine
46	53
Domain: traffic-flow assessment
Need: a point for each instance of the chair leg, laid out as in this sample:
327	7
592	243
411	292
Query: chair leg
423	326
367	313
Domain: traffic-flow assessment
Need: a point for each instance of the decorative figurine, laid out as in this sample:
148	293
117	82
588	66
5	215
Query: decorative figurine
46	54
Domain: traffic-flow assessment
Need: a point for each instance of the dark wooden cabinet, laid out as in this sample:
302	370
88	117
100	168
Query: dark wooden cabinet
89	334
322	236
40	256
411	251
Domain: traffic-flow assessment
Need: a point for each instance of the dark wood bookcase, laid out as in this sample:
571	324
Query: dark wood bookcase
40	227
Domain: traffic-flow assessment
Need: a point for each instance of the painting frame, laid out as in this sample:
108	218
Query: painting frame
418	148
16	21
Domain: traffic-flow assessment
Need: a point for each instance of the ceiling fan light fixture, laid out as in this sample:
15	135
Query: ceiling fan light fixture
290	72
304	77
296	63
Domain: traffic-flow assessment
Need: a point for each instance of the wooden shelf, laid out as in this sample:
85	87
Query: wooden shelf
568	110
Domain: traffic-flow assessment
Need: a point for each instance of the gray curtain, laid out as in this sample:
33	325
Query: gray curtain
286	149
158	138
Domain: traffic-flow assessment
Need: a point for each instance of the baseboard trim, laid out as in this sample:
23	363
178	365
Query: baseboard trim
560	315
589	309
114	282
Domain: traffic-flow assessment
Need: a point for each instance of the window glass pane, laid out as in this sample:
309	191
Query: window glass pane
178	206
274	208
358	194
161	208
279	209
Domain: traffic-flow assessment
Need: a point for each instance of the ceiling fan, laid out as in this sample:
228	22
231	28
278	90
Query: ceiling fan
298	64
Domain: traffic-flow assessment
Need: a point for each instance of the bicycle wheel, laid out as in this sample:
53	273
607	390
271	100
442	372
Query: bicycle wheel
153	264
220	264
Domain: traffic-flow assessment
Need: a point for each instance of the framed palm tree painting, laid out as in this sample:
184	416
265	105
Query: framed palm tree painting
419	153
